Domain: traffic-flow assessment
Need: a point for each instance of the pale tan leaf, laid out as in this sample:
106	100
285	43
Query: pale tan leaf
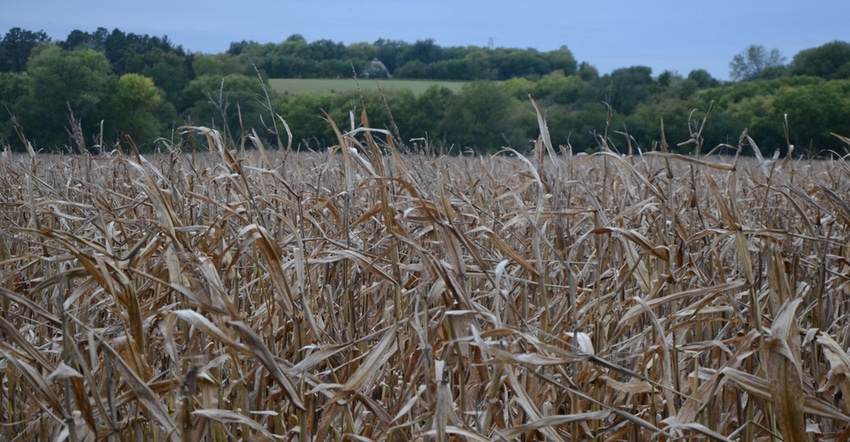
634	387
784	373
259	349
155	406
759	387
378	356
231	417
62	372
37	381
201	322
838	361
554	421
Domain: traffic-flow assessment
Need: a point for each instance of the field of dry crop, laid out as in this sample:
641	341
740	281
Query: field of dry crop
361	294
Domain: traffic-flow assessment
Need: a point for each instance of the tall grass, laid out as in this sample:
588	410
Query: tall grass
360	294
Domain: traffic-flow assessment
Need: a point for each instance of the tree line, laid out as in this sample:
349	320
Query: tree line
296	58
105	84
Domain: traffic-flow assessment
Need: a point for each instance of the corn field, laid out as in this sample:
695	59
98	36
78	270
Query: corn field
362	294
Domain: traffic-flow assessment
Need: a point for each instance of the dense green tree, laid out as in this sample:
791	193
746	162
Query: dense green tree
136	107
168	70
772	72
13	87
61	79
458	69
519	63
419	117
78	39
426	51
813	112
457	52
520	88
625	88
562	60
452	69
402	106
276	66
391	53
685	89
218	102
483	116
361	51
480	58
327	50
760	107
680	118
755	59
344	104
412	69
734	93
126	51
703	78
668	78
151	56
295	46
16	47
236	48
337	68
294	58
587	72
303	114
561	89
220	65
831	60
583	125
723	128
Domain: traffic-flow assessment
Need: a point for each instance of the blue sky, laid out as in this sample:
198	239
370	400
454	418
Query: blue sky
663	34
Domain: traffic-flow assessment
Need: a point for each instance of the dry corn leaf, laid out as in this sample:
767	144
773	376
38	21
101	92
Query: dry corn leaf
784	373
500	244
700	292
634	387
231	417
370	367
839	364
553	421
142	391
259	349
528	404
206	325
666	362
696	427
36	380
14	335
62	372
759	387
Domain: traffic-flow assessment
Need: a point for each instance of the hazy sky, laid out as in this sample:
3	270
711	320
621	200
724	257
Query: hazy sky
664	34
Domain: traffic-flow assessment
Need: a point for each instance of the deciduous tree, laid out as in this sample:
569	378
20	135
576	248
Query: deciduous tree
16	47
626	87
831	60
483	115
752	61
703	78
218	102
135	106
61	79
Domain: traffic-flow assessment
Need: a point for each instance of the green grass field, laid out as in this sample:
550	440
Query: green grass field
294	86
